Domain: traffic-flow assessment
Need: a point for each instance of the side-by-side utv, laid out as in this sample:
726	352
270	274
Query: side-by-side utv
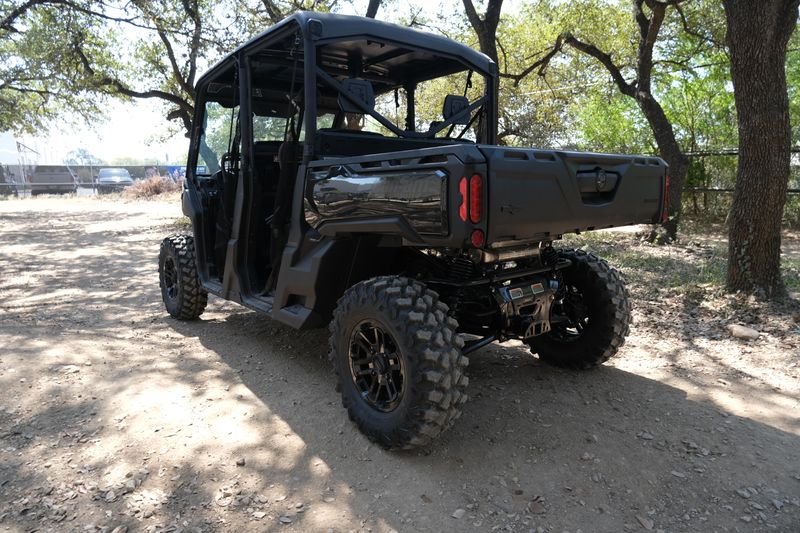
344	172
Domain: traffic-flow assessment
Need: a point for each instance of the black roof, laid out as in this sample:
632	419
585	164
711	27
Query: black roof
336	27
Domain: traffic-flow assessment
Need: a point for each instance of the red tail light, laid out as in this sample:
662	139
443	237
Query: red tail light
665	207
462	210
475	198
478	238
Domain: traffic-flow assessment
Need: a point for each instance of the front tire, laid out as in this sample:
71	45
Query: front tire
598	315
183	295
398	361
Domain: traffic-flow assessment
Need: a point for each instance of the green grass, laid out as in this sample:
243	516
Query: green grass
699	260
791	273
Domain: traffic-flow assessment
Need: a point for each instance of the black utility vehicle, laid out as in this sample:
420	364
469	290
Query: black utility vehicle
343	171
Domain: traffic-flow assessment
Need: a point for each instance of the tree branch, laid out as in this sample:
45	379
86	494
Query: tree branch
273	11
7	22
193	50
118	87
688	30
648	30
472	15
541	64
485	28
176	71
372	8
625	88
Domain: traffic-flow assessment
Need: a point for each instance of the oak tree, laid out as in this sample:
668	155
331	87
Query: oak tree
758	35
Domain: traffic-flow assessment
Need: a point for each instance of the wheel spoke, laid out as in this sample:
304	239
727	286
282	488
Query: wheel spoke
376	340
381	345
367	342
374	389
391	389
365	348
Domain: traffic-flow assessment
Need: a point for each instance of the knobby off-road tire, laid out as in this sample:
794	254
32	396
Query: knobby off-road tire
184	297
397	328
598	294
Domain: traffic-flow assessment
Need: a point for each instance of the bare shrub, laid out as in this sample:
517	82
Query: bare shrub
152	186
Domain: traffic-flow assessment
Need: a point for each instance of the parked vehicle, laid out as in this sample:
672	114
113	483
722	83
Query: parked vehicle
113	180
53	179
415	243
8	187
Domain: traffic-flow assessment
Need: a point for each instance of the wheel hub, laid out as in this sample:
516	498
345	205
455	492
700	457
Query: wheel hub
376	367
381	365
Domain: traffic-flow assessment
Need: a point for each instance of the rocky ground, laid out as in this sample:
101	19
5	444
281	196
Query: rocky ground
114	417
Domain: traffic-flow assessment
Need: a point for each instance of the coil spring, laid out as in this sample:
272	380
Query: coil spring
461	269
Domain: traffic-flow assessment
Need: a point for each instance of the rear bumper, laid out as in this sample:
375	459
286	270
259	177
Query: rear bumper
113	187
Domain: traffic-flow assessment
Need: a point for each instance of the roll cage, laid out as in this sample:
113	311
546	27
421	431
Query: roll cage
300	69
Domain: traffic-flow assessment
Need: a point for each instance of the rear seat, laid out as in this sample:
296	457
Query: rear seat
343	143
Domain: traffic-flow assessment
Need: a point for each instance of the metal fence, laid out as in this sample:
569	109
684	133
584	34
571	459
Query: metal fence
29	180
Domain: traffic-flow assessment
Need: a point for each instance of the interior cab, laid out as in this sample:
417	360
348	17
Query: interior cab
311	90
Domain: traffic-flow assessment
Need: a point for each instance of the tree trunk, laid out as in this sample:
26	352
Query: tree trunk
670	151
649	16
372	8
758	34
486	28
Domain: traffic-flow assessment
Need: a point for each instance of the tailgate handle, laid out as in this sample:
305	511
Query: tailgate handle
597	186
597	180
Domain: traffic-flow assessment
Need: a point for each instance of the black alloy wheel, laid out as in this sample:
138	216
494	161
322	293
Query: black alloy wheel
376	366
575	315
590	319
170	279
398	361
181	290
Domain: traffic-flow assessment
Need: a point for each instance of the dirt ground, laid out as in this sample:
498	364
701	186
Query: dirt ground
115	417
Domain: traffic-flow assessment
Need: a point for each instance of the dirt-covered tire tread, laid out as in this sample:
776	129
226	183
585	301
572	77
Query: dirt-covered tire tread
192	299
611	322
428	341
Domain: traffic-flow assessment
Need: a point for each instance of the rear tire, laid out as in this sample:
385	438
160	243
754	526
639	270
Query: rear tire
398	361
600	315
183	295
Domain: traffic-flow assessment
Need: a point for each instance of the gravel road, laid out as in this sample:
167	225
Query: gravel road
115	417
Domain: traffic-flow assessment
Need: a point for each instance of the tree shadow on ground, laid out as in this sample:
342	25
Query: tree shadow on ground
610	443
175	405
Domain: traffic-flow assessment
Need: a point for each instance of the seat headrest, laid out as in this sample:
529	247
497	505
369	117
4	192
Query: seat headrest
359	89
453	105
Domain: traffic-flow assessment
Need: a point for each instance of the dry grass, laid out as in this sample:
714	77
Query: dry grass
152	186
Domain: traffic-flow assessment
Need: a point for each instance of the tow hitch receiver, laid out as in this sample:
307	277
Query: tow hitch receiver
525	306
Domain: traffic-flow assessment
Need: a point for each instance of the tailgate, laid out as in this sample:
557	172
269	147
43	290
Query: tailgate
539	194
